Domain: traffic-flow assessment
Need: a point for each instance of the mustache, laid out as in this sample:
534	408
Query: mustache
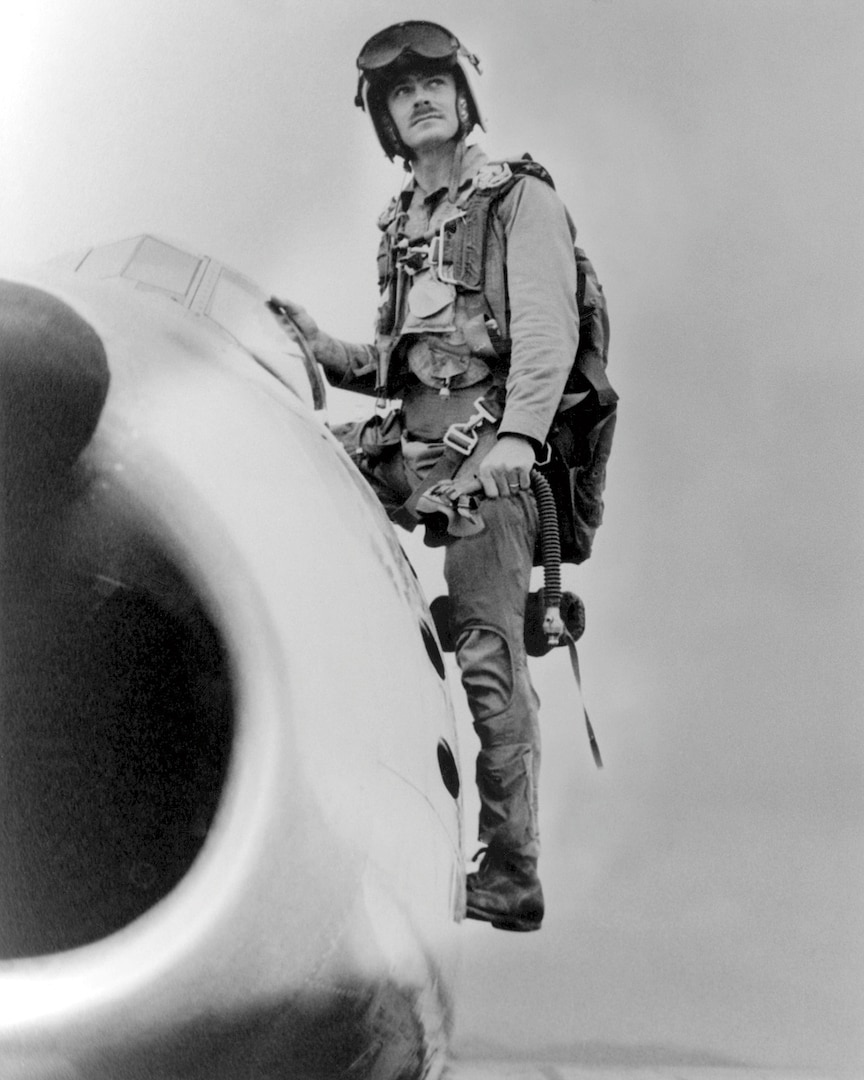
423	114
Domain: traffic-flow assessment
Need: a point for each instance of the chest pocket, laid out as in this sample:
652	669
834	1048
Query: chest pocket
430	297
444	366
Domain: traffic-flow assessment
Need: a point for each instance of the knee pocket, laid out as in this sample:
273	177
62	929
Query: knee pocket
486	664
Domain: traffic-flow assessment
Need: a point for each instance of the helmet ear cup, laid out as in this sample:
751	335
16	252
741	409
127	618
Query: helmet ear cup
466	104
389	136
382	121
463	111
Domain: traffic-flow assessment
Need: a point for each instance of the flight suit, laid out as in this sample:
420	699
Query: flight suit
440	361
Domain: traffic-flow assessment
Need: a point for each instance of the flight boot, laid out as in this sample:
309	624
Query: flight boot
506	891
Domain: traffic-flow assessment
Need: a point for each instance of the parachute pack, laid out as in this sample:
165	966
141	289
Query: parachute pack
580	439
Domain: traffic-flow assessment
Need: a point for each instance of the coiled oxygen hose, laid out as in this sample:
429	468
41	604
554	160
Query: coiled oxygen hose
550	546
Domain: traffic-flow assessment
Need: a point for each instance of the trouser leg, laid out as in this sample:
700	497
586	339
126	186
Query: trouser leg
488	578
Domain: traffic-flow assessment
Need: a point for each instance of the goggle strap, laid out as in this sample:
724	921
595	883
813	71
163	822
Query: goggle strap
472	59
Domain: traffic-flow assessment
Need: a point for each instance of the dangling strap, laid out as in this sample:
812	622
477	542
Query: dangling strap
574	661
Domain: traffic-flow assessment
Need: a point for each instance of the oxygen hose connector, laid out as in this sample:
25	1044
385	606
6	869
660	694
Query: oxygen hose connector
550	546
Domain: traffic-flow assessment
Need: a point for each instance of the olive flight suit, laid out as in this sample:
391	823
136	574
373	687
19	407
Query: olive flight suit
434	352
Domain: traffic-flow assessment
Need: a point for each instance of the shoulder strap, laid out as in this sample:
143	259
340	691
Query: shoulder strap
498	177
465	236
591	357
387	223
479	258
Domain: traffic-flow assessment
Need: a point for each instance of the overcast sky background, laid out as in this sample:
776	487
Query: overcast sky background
704	891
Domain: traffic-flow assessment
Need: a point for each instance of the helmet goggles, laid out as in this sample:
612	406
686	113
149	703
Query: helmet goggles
425	40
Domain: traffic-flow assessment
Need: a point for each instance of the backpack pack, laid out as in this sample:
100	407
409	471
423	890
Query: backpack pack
580	438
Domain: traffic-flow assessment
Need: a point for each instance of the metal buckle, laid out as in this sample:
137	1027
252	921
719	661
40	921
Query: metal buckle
460	440
463	437
481	414
412	258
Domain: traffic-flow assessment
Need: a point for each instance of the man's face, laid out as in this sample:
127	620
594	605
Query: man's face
423	107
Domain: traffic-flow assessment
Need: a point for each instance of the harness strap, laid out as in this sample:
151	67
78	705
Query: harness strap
448	465
471	253
574	663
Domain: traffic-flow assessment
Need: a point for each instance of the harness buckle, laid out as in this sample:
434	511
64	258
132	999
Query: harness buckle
411	258
463	437
460	439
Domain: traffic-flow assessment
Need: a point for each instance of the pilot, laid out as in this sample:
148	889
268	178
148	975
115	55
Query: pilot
491	380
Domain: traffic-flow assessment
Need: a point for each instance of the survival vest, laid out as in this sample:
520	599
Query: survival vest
469	251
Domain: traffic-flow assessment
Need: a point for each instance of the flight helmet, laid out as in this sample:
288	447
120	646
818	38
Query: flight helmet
409	46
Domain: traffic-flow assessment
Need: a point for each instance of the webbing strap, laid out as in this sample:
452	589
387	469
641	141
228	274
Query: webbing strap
574	662
445	468
473	245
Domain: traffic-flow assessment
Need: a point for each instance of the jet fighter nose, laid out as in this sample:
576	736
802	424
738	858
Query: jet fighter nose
53	383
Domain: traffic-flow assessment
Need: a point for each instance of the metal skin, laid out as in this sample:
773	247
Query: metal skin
231	844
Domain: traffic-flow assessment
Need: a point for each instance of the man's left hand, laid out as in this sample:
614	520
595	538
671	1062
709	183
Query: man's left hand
506	469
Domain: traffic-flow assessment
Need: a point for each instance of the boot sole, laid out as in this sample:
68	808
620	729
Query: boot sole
505	922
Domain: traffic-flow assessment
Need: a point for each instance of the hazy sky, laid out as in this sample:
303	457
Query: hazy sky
704	891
